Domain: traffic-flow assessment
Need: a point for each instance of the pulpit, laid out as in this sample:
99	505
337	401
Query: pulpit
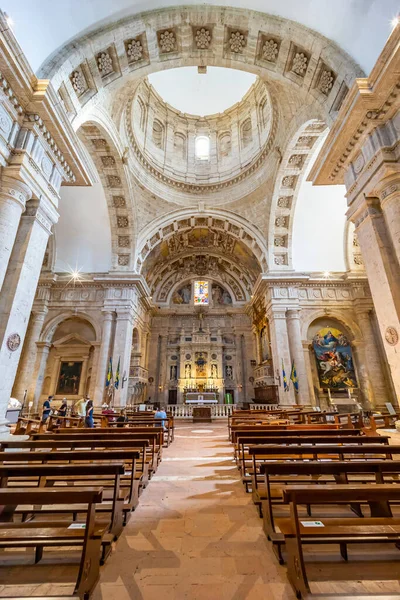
202	414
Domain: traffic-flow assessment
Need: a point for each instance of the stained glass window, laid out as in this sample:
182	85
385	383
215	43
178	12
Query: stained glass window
201	292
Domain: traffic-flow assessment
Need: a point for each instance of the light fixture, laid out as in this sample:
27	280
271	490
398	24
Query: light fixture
395	21
326	274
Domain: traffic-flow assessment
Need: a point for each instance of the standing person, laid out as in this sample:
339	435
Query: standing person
80	407
46	409
161	414
62	411
89	414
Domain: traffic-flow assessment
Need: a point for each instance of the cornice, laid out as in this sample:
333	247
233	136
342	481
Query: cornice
371	102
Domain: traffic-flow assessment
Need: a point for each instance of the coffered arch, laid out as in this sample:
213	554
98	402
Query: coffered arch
294	162
103	148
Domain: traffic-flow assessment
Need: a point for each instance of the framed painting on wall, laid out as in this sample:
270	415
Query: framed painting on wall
334	358
69	378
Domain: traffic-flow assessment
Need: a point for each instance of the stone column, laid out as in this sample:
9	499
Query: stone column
19	288
390	204
280	350
297	354
122	350
104	356
383	277
36	386
158	370
368	350
309	373
13	196
27	363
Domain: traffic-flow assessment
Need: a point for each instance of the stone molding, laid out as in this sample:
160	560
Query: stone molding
14	189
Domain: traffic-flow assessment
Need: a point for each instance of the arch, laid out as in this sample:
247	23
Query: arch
143	113
135	340
51	325
102	143
180	144
227	221
246	133
224	144
293	165
323	55
158	134
321	313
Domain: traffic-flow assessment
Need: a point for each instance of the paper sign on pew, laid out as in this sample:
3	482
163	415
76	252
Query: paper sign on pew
77	526
312	524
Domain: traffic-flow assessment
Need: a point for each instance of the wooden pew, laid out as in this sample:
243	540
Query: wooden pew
131	481
280	475
262	453
28	425
381	527
152	453
85	475
300	427
54	422
41	534
245	459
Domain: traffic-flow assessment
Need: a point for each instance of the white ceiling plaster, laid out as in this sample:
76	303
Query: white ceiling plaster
78	246
189	92
360	27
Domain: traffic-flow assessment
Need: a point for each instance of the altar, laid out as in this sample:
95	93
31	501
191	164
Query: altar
201	398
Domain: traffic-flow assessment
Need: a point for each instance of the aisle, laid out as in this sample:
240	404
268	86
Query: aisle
195	534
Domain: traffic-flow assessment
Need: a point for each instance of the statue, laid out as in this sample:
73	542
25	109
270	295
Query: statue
188	371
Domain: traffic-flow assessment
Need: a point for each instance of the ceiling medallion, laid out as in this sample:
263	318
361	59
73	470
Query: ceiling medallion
13	342
391	336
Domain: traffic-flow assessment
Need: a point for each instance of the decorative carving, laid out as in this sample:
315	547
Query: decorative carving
122	222
281	222
108	161
280	260
359	163
306	140
203	38
114	181
391	336
78	81
270	50
124	241
123	260
47	166
326	82
99	143
105	64
288	181
8	92
167	41
358	260
299	64
237	42
285	201
134	50
296	160
356	243
119	202
13	342
280	240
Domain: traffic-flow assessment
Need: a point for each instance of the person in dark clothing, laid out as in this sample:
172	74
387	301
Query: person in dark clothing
62	411
89	422
122	418
46	409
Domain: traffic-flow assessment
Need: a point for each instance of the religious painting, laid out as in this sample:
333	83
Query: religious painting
201	363
334	357
183	295
69	378
201	292
220	296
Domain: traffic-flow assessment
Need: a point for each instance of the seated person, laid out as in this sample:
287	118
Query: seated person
122	418
161	414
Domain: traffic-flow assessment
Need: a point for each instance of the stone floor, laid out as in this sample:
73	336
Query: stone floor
196	534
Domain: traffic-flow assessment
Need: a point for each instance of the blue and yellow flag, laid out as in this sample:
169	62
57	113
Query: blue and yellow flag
109	373
285	381
293	377
116	382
